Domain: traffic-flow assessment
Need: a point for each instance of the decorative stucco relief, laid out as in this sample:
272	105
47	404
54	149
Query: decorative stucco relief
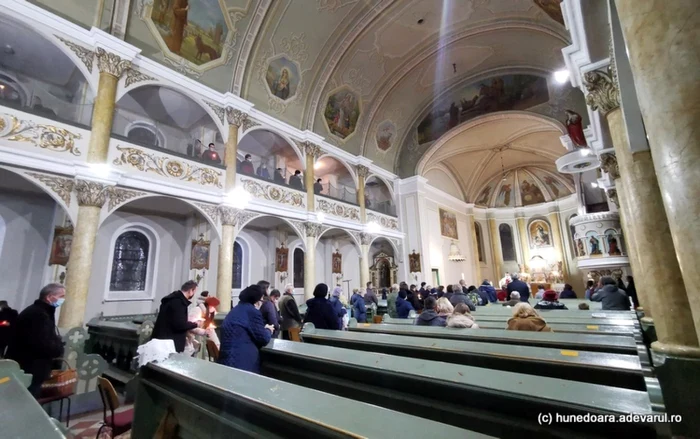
274	193
48	137
384	221
338	209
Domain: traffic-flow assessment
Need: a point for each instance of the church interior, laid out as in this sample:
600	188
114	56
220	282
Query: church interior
341	151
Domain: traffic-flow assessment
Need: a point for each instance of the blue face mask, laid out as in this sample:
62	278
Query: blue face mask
59	302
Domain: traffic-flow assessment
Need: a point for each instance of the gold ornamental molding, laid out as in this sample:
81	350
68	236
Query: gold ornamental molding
61	186
108	62
91	193
249	123
603	95
608	161
133	76
274	193
384	221
48	137
313	230
339	210
168	167
87	56
218	110
366	238
362	171
119	196
235	117
311	149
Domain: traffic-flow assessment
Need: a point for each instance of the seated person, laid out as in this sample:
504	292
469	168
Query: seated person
210	155
247	166
514	299
613	298
540	292
359	310
502	295
458	296
429	317
262	171
318	187
525	318
444	308
567	292
295	181
403	306
279	178
489	290
549	301
484	297
461	318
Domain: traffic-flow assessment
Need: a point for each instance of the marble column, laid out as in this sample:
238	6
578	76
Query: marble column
224	270
496	252
362	172
365	241
91	197
111	67
235	119
312	231
646	221
475	250
559	244
312	152
524	241
663	45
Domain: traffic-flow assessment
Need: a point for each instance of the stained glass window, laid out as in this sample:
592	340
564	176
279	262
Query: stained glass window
507	244
130	262
298	268
237	265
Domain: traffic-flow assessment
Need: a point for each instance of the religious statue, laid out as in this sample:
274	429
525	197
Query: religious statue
613	249
595	246
574	126
581	249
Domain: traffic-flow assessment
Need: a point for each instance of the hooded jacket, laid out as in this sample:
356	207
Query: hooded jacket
338	309
536	324
172	323
430	318
489	291
456	320
613	298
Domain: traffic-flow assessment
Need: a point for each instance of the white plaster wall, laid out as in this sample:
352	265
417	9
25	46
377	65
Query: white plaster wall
450	271
26	230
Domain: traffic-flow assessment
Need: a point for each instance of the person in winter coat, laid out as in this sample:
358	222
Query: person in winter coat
461	318
319	311
483	296
36	342
359	310
444	308
613	298
632	291
403	306
449	292
540	292
270	313
567	292
244	332
514	299
391	301
525	318
416	300
429	317
172	322
502	295
289	311
459	296
489	290
519	286
370	295
338	307
385	294
549	301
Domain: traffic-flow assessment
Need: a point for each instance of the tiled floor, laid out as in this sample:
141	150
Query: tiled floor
85	426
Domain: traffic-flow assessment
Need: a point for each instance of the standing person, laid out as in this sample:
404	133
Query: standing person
200	301
632	291
490	291
613	298
391	301
319	311
450	291
279	178
247	165
416	301
359	310
338	307
318	187
36	341
269	311
210	155
567	292
519	286
243	332
172	323
403	306
8	319
370	295
289	312
295	181
262	171
422	292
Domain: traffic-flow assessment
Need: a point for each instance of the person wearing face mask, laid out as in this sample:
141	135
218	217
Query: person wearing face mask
36	341
244	332
172	322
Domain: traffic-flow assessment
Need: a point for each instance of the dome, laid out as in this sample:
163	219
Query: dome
524	186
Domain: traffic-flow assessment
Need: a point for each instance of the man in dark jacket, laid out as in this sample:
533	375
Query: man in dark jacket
460	297
370	295
429	317
319	310
289	312
613	298
36	341
490	291
279	178
172	323
295	181
269	311
519	286
8	319
403	306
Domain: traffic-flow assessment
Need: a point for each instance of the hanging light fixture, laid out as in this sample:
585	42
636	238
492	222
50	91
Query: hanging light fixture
455	255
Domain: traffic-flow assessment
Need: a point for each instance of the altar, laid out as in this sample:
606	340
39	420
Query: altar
384	271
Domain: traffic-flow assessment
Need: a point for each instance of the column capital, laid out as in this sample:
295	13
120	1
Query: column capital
91	193
366	238
603	94
362	171
311	149
312	230
236	117
612	194
608	162
229	215
108	62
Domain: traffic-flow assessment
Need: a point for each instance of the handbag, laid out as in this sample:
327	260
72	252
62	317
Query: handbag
61	383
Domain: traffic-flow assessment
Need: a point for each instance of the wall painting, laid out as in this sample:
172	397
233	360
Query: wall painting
282	78
342	112
540	234
199	258
61	245
530	193
386	133
414	262
483	198
337	262
448	224
505	193
281	259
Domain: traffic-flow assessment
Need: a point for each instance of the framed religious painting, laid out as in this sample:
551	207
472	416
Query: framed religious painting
540	234
448	224
337	263
61	245
414	262
200	255
281	261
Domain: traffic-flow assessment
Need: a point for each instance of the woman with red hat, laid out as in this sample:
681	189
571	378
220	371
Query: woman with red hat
549	301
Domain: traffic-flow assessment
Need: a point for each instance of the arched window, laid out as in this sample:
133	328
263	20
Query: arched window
479	242
298	268
507	244
237	265
130	262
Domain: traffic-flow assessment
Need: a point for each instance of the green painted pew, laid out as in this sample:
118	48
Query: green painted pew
208	400
493	402
618	370
550	318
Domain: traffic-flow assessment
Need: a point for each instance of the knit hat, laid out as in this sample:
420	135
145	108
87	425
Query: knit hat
550	296
337	291
212	301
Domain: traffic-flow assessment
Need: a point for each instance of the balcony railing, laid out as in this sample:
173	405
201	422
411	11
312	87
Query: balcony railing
337	208
267	190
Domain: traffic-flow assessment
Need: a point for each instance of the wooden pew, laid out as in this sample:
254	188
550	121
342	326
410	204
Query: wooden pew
210	400
503	404
618	370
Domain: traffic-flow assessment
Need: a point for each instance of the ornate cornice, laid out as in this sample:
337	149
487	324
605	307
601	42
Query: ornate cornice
362	171
133	76
612	194
272	192
218	110
311	149
108	62
366	238
118	196
86	55
211	210
340	210
228	215
608	162
602	95
60	185
48	137
388	222
312	230
91	193
249	123
235	117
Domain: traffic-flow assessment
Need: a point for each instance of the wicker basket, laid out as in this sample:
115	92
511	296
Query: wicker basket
61	383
